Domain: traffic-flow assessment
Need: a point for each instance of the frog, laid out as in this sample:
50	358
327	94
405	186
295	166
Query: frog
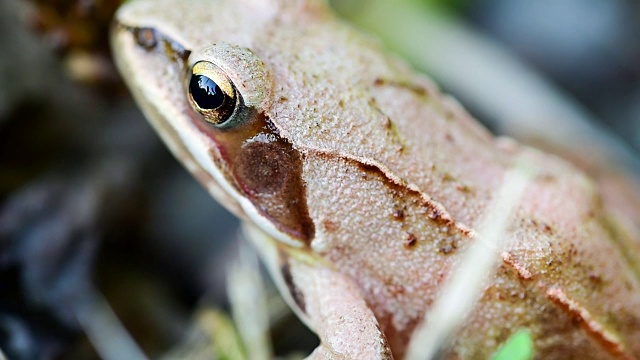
362	185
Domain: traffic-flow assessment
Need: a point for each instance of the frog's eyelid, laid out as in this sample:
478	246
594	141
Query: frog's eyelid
244	68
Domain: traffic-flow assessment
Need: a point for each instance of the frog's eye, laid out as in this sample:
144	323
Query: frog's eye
211	93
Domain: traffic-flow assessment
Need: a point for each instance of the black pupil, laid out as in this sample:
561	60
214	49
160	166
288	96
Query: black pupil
205	92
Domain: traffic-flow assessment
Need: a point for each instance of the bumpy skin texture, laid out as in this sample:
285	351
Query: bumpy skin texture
396	176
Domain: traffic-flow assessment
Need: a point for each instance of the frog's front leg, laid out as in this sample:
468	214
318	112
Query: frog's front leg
328	302
337	312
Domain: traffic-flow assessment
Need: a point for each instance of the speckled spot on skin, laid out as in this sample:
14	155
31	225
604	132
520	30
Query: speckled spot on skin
448	247
465	189
449	137
411	241
390	126
446	177
542	226
330	226
398	215
395	135
416	89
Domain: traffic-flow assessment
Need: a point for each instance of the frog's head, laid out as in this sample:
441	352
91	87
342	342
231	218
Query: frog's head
196	71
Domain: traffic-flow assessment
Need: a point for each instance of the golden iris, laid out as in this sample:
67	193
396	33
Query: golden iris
211	93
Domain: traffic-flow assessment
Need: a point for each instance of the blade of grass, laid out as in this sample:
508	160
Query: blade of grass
466	283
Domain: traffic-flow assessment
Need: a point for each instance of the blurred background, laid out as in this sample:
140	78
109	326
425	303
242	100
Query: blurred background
106	242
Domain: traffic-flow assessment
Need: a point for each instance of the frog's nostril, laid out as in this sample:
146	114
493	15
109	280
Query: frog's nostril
146	37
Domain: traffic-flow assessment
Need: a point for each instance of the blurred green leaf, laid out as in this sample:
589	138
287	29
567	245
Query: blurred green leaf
518	347
453	5
226	340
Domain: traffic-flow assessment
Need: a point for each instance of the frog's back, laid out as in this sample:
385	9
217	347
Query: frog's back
415	176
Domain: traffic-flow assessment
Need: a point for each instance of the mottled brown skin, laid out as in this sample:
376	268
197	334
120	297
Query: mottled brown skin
383	179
